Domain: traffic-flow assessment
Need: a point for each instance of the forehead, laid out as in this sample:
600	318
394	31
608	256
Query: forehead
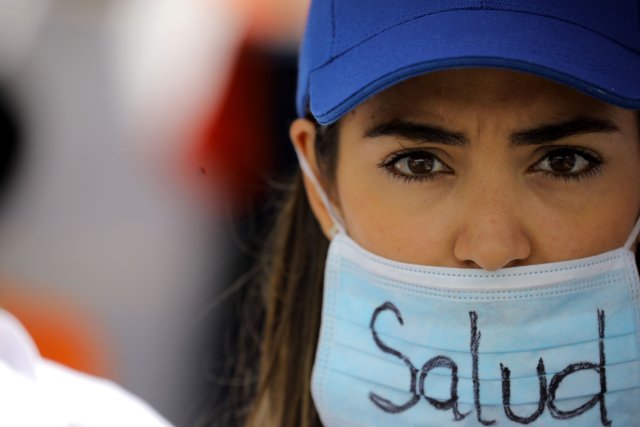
480	91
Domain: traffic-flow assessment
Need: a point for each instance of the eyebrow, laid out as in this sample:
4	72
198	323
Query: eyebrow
556	131
417	132
424	133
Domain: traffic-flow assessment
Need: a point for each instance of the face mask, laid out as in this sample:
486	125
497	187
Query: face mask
409	345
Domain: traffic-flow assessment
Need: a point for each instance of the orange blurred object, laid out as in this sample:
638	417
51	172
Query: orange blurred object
61	330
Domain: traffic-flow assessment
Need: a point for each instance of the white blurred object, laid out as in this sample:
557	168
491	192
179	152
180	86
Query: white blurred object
39	393
172	59
20	25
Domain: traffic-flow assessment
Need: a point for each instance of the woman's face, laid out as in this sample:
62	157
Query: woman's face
483	168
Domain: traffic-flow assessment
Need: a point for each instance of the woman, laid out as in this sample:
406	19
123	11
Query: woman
464	258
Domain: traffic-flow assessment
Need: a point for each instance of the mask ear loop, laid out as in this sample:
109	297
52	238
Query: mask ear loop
338	224
633	235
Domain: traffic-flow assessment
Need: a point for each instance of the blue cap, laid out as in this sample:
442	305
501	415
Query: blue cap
353	49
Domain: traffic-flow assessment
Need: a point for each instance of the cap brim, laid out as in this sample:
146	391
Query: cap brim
548	47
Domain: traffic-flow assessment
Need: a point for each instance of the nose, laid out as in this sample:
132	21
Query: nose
492	235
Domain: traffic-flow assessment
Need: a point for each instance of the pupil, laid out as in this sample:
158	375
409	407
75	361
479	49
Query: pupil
562	162
420	165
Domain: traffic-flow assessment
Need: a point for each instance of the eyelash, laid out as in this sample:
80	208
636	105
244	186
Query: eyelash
594	167
387	165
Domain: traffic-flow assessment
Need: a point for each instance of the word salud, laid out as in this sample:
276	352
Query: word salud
547	389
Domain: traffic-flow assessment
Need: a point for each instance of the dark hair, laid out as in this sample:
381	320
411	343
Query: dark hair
280	314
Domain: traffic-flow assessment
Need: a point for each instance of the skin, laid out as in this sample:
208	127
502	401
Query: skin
494	204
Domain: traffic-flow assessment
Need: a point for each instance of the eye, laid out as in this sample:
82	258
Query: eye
414	165
568	163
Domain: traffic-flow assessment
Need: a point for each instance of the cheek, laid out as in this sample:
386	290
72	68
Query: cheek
388	219
570	221
408	240
621	204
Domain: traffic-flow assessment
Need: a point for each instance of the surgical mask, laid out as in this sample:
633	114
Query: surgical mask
553	344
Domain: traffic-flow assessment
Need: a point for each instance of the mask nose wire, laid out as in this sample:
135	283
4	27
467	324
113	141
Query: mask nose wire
633	235
338	224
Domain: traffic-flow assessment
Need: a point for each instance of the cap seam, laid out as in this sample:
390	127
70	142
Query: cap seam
333	29
332	58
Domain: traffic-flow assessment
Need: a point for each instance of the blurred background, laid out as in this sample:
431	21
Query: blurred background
140	142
